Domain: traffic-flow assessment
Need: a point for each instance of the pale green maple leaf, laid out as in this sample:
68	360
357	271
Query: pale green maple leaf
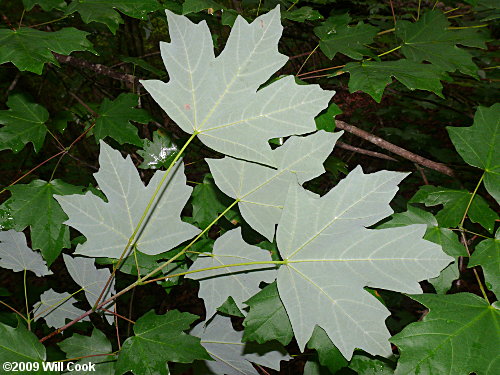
56	308
232	357
109	225
17	256
330	257
92	280
260	188
218	98
240	282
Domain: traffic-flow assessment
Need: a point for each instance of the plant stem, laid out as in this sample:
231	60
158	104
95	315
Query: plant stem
307	58
28	319
483	291
143	217
461	225
215	268
13	309
390	51
138	282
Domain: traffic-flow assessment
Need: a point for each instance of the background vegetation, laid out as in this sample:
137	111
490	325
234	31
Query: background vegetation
403	72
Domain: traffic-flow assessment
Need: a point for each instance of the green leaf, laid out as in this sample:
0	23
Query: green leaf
329	356
231	357
478	145
443	282
15	254
207	204
313	367
114	119
326	121
195	6
20	345
159	152
373	76
80	346
143	64
108	225
487	255
267	319
260	188
29	49
368	366
302	14
455	204
239	282
217	97
24	122
441	236
57	308
229	307
330	257
106	11
429	39
46	5
33	205
159	339
337	37
458	336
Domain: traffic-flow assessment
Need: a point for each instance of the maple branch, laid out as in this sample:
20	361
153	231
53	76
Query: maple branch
362	151
97	68
439	167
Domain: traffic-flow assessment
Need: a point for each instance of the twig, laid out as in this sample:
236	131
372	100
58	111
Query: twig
422	173
395	149
85	105
98	68
359	150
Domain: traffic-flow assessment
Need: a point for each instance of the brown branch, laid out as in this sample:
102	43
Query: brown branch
97	68
395	149
362	151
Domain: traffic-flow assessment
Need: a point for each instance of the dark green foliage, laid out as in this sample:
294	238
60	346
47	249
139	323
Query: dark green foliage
422	75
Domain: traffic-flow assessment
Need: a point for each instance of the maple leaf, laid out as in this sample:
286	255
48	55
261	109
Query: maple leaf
109	225
17	256
47	231
337	36
260	188
56	308
232	357
478	145
330	257
436	344
429	39
114	119
239	282
24	123
218	98
106	11
29	49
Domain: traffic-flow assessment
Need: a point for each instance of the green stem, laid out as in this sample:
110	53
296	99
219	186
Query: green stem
481	287
390	51
461	225
307	58
143	217
28	319
186	248
51	307
216	268
291	6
